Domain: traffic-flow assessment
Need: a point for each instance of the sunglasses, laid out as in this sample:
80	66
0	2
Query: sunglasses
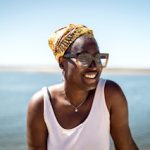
85	59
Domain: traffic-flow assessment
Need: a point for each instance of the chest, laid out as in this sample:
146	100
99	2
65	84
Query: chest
66	115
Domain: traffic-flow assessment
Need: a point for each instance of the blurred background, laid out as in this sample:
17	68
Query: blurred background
122	29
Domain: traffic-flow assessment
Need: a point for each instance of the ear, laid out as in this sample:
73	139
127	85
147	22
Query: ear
61	62
61	65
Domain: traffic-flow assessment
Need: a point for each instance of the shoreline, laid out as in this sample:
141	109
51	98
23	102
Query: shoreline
55	69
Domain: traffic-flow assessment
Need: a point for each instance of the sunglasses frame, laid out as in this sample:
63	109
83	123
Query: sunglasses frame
73	55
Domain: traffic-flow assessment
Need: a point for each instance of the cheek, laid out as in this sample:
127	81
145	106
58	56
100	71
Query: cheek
73	72
69	71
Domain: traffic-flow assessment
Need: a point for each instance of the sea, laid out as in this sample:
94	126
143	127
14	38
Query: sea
16	89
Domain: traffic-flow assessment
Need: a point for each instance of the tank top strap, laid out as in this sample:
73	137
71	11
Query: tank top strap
101	102
49	116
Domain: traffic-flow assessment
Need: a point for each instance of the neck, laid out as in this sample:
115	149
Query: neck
75	95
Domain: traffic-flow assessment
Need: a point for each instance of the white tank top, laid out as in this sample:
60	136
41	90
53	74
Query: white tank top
92	134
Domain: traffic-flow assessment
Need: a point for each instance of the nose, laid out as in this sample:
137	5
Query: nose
93	64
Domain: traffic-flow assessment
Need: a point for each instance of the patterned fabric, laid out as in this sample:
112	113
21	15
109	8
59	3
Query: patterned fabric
61	39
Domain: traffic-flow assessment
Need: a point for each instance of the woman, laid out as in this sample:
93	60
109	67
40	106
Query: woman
81	112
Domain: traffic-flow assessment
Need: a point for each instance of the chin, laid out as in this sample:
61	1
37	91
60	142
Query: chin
91	88
91	85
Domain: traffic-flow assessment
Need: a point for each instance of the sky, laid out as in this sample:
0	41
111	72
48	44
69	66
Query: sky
121	28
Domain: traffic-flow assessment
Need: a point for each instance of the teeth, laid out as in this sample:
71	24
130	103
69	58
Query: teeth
91	76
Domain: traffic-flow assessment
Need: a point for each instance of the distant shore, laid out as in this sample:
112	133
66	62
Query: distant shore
50	69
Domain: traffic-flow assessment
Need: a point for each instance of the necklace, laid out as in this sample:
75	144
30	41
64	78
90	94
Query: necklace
76	108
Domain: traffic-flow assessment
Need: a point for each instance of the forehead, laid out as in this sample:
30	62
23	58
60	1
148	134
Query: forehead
84	43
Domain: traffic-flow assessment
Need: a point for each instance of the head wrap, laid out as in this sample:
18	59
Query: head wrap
61	39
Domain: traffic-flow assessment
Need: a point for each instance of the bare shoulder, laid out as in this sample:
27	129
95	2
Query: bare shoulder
35	110
36	102
112	87
114	95
36	127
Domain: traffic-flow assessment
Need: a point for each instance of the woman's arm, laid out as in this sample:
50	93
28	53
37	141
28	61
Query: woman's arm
119	125
36	127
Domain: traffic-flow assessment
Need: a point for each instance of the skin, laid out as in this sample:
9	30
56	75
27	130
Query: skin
62	95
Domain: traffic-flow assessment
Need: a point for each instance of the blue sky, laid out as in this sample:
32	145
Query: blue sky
122	28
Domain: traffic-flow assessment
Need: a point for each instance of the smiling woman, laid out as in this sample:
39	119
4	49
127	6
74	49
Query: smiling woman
81	112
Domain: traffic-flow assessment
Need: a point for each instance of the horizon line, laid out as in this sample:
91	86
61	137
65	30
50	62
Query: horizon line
55	68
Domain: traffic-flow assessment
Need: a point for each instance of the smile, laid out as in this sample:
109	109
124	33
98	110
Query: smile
90	75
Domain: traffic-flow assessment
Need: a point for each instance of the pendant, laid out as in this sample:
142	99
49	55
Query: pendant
76	110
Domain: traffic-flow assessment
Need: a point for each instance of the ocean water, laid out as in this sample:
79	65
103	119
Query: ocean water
16	88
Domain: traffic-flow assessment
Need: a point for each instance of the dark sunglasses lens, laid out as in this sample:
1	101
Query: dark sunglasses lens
85	59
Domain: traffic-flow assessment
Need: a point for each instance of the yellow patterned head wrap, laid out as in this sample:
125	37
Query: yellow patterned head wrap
61	39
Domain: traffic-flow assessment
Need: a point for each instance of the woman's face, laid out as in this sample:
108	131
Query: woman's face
77	75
